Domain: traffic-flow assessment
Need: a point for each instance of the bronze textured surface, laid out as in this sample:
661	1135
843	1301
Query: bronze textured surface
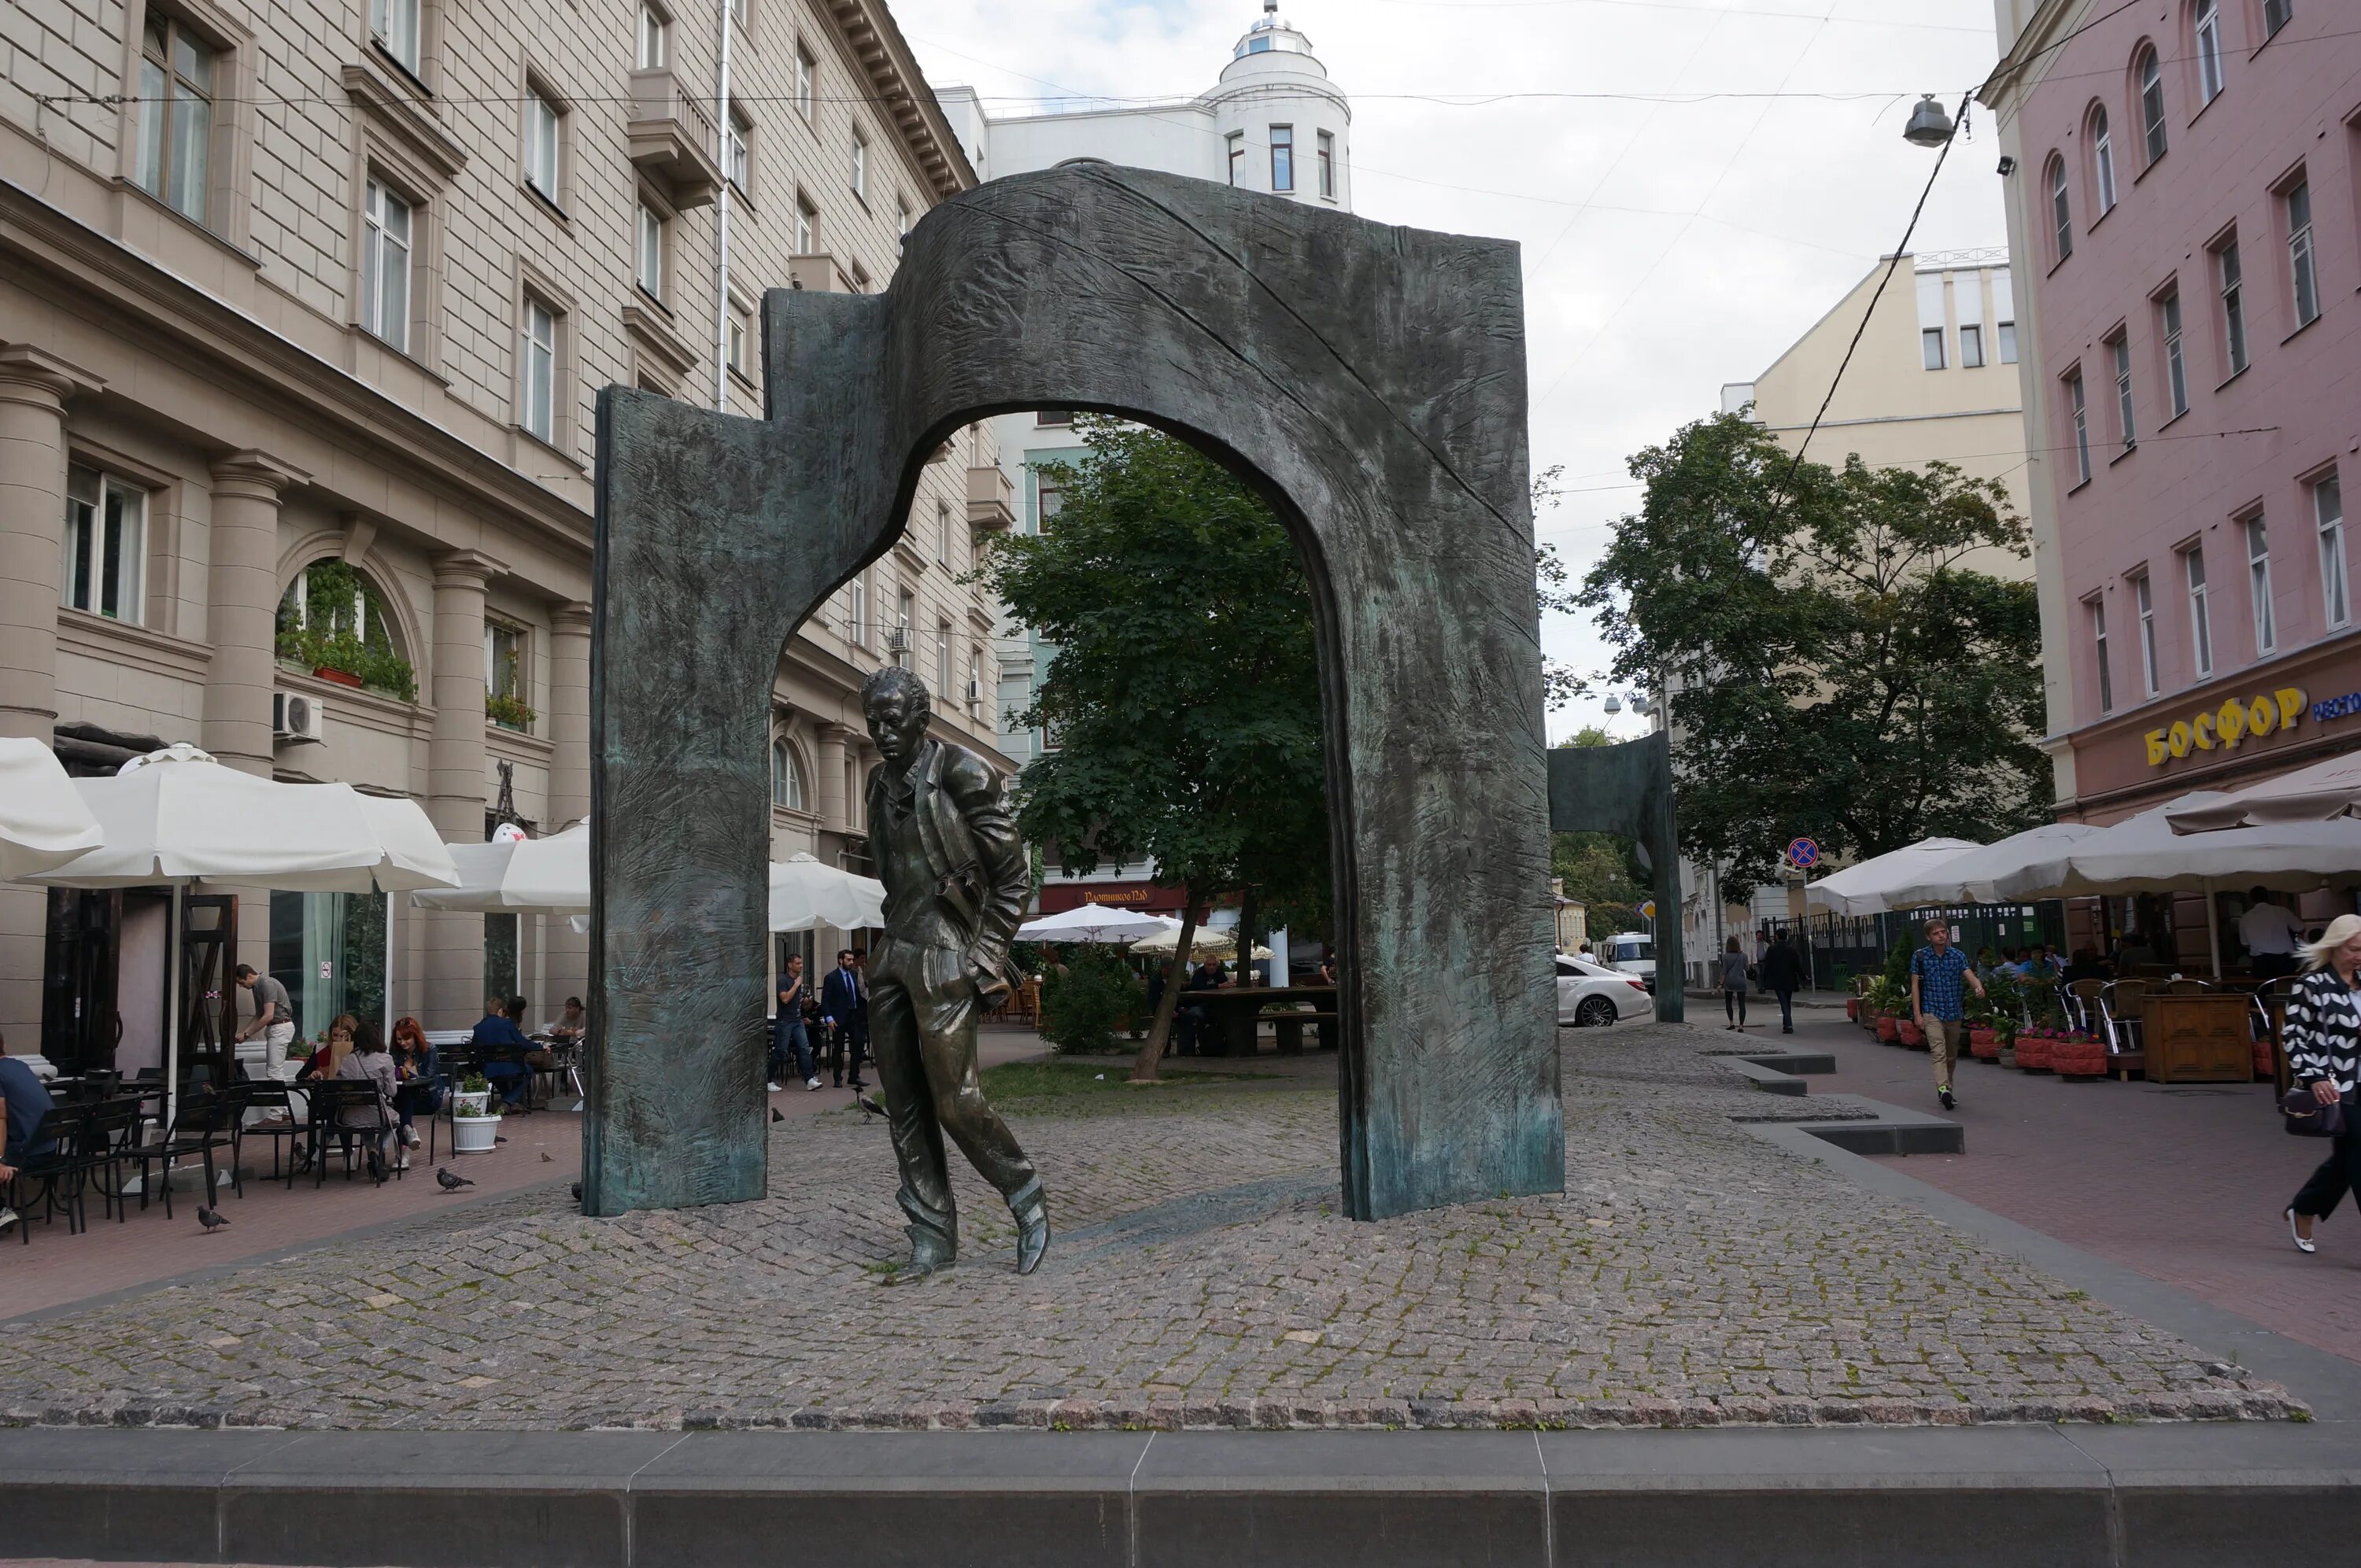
1628	789
1368	380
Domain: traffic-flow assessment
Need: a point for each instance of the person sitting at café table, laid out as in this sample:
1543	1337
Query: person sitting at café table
496	1032
325	1061
369	1062
572	1025
27	1099
417	1075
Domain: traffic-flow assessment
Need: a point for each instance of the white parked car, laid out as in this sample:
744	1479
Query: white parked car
1594	995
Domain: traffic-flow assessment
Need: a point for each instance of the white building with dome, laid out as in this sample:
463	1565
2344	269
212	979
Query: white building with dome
1273	123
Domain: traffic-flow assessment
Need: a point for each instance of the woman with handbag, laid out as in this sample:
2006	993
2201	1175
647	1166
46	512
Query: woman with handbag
2324	1047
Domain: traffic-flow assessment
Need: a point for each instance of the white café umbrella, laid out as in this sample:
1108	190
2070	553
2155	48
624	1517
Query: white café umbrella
177	817
1095	923
44	822
1208	944
2320	793
1869	887
805	893
552	876
1974	876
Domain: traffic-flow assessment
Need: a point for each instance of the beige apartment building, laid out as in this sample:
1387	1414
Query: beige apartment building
303	311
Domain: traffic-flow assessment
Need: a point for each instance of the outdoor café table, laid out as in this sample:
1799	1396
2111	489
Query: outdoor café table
1234	1011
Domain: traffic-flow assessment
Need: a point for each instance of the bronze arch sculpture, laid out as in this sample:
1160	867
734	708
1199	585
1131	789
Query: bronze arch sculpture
1628	789
1369	381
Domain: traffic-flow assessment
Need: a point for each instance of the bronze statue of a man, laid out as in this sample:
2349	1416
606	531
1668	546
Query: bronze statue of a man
956	873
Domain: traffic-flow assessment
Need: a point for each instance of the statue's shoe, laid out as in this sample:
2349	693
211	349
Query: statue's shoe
930	1253
1032	1213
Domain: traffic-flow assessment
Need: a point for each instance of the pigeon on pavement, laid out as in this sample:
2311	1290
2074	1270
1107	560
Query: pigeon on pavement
209	1220
869	1105
774	1115
448	1182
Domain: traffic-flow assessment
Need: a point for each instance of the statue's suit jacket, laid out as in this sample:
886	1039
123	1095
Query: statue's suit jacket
982	873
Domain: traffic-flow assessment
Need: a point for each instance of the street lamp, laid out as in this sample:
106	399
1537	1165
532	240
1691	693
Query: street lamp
1929	125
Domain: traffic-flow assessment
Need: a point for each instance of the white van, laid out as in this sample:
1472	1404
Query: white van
1629	952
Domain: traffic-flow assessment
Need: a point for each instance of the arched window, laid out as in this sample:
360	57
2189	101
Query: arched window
2150	72
2102	162
2208	38
332	617
786	779
2062	209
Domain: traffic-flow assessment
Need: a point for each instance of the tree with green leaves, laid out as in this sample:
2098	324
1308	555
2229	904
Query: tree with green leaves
1836	661
1184	691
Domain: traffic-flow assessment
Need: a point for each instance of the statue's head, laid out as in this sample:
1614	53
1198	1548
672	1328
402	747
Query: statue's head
894	700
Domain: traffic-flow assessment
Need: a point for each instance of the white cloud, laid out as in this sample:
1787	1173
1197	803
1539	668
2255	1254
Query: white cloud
1669	246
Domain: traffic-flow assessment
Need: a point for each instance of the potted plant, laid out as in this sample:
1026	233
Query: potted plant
474	1124
2033	1046
336	629
472	1091
509	712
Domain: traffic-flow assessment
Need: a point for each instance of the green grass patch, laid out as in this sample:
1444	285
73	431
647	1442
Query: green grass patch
1058	1079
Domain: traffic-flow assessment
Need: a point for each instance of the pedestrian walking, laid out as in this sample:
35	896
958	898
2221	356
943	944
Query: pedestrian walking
790	1041
844	1007
1733	984
1938	974
2271	933
1783	973
2323	1046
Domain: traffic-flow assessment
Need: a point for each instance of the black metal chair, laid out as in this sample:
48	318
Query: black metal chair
200	1126
364	1133
109	1134
279	1125
55	1171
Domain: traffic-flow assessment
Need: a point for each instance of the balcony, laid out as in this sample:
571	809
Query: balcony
671	137
991	498
820	274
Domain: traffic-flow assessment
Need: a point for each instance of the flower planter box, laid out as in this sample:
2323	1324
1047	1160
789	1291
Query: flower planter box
464	1100
1852	1009
1888	1029
1912	1035
1984	1045
2033	1052
474	1135
342	677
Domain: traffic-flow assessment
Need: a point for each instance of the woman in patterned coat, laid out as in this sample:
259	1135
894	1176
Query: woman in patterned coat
2323	1046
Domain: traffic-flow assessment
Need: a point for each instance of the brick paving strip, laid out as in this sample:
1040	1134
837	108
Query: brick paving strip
1690	1276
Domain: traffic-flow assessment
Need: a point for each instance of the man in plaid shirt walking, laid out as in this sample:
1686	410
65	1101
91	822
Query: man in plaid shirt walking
1937	972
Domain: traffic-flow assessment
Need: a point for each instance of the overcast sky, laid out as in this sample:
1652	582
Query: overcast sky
1668	246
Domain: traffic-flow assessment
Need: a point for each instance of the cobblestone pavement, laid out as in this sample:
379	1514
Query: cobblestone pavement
1201	1277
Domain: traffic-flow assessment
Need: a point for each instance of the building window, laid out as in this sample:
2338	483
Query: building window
734	155
905	611
2176	367
106	545
806	227
1282	157
787	781
2201	612
647	263
1048	499
861	166
505	673
942	535
2062	209
385	266
1238	155
974	682
2102	161
805	71
2258	586
1931	348
2151	97
1327	144
742	334
1053	419
1971	346
859	608
2119	349
2079	412
2007	331
393	27
2301	268
2209	51
2328	510
2146	604
2233	304
943	660
2275	15
2099	653
902	215
176	116
655	44
537	359
541	146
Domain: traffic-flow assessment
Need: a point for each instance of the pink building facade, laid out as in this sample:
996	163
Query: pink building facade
2185	215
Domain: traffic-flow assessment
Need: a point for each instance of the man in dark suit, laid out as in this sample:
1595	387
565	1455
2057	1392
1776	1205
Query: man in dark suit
844	1008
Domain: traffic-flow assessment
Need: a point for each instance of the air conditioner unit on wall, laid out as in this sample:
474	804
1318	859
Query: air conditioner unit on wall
296	717
974	693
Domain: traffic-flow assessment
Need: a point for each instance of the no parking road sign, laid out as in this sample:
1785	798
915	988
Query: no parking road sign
1803	854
